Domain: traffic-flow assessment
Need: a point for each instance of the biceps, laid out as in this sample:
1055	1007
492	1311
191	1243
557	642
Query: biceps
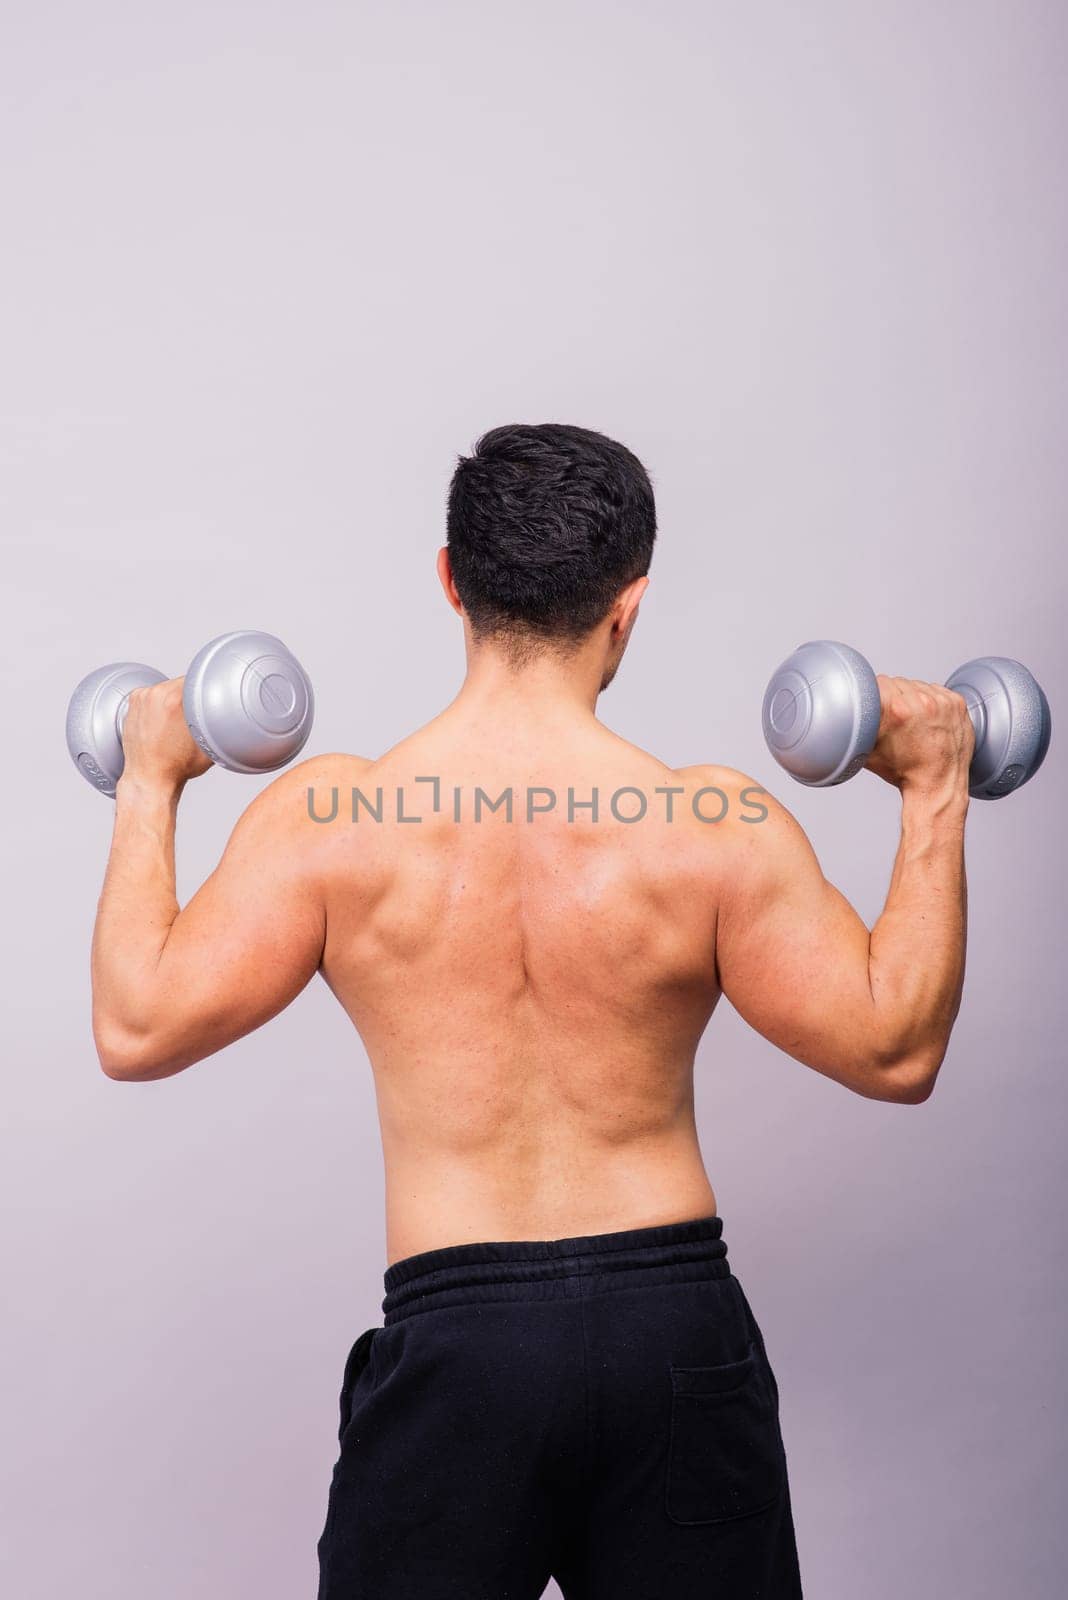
796	968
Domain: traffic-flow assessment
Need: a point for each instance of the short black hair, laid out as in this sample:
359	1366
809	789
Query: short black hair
546	524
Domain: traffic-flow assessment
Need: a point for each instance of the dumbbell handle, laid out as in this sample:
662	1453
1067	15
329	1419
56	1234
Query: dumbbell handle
124	706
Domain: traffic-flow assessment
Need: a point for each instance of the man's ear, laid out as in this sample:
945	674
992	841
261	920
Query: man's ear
448	582
625	612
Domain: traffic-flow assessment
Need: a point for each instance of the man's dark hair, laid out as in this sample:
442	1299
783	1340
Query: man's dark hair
546	524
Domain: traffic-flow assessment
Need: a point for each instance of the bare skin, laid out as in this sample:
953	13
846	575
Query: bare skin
531	993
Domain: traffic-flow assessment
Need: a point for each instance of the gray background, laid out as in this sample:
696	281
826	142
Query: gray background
265	271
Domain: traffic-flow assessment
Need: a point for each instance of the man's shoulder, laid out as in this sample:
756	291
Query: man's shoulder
710	774
303	790
337	768
737	794
705	774
745	814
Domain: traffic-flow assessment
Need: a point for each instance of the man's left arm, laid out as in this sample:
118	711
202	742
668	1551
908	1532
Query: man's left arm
171	986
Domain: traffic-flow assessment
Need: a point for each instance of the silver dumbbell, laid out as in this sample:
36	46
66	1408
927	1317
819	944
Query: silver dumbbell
246	698
822	709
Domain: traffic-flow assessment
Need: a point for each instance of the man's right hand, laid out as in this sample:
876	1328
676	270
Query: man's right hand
925	740
159	749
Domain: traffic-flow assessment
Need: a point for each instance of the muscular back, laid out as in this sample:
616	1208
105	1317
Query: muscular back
530	992
531	988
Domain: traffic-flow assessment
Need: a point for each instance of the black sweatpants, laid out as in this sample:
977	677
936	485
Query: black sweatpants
597	1410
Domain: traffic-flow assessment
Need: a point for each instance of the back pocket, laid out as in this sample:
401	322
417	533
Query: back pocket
358	1357
725	1455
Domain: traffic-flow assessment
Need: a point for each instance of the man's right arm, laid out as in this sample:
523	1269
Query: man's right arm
872	1010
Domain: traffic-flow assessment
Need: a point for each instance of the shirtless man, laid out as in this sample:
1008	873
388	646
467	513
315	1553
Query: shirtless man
569	1380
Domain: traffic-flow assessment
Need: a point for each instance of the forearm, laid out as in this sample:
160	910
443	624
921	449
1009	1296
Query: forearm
137	909
917	946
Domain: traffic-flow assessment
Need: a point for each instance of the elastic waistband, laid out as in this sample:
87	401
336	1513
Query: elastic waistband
554	1269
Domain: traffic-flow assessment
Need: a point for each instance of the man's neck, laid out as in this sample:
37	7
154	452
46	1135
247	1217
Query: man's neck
547	686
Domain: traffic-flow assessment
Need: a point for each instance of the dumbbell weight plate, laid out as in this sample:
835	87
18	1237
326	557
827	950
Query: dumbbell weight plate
821	713
95	716
1011	717
248	702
